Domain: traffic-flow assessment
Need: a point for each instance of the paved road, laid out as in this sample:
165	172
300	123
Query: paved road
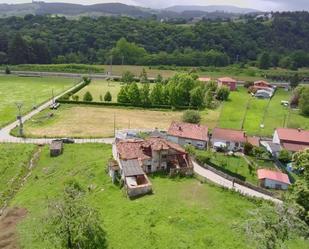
228	184
5	136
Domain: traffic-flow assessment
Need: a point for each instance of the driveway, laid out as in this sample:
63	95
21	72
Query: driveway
213	177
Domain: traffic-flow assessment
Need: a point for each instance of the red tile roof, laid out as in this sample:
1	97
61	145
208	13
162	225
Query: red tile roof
255	141
229	135
227	79
294	147
293	135
262	82
273	175
190	131
142	150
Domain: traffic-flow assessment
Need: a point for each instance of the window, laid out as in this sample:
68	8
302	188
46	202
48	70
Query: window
148	168
237	144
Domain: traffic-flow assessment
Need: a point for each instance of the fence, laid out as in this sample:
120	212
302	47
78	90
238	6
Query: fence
238	181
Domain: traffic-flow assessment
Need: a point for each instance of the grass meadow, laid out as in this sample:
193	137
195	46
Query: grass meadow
31	91
14	161
182	213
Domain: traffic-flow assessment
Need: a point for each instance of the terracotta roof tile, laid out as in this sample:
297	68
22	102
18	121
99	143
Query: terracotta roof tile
293	135
273	175
229	135
227	79
294	147
190	131
255	141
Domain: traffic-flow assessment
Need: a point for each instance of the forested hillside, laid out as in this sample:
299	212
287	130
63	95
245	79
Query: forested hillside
41	39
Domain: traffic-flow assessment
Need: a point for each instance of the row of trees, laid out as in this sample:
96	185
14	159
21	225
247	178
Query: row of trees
300	99
181	90
44	39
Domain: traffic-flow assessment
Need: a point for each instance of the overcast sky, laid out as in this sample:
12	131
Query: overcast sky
255	4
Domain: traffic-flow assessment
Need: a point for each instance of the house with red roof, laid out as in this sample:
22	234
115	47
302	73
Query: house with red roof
137	157
262	84
229	139
186	133
229	82
204	79
273	179
293	140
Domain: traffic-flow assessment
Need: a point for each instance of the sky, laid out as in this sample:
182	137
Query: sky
265	5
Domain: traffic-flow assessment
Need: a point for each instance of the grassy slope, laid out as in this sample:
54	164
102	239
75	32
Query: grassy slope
14	158
28	90
181	214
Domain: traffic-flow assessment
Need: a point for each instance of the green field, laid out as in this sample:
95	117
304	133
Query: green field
251	112
14	161
31	91
182	213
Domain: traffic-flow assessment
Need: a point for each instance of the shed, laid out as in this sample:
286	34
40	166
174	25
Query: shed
229	82
273	179
56	148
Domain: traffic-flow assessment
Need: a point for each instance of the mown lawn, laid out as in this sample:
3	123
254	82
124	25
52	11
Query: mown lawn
14	159
31	91
252	112
96	121
182	213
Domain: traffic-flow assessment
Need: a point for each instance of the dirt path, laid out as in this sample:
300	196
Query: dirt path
8	224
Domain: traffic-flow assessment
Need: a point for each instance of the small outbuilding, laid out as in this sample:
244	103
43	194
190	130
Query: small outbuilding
273	179
229	82
56	148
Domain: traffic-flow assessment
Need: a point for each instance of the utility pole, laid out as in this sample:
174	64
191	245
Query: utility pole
19	106
111	66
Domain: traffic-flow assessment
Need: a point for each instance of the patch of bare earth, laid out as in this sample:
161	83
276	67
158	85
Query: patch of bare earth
8	224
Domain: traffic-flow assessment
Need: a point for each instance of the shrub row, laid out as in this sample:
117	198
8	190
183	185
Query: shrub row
67	101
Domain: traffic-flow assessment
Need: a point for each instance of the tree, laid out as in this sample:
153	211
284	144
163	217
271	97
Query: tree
72	224
191	116
3	58
223	93
264	61
87	97
285	156
75	97
270	227
134	94
127	77
7	70
209	97
197	97
295	80
159	78
18	50
248	148
156	94
143	77
145	94
304	101
108	97
123	95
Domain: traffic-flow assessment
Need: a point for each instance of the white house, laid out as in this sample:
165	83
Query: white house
273	179
291	139
229	139
185	133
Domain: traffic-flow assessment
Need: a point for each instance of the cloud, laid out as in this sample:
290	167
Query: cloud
289	4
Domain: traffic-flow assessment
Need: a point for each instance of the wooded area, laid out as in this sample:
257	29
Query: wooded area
46	39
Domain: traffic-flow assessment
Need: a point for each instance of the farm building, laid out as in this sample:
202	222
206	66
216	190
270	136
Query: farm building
273	179
138	157
291	139
185	133
229	82
56	148
262	84
228	139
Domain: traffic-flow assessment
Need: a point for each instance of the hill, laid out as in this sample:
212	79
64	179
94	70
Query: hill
211	8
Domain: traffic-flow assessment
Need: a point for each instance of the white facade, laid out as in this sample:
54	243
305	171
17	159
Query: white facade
276	139
187	141
274	184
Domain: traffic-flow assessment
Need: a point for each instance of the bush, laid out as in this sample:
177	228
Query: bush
7	70
191	116
285	156
202	158
190	149
248	84
87	97
223	93
75	97
248	148
108	97
87	80
127	77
